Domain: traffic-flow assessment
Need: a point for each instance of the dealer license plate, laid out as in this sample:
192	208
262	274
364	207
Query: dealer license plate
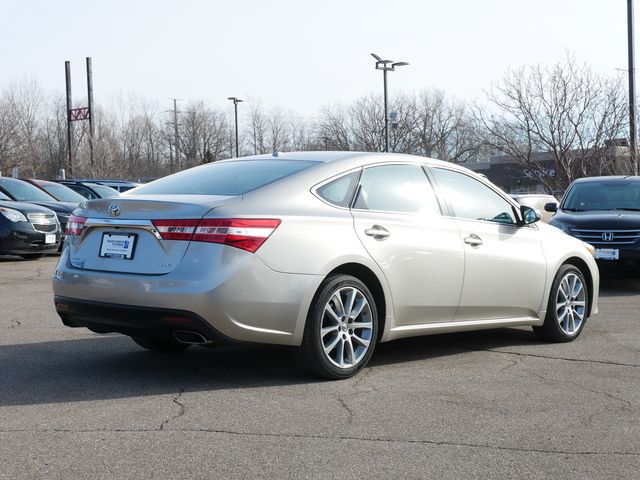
607	254
117	245
50	238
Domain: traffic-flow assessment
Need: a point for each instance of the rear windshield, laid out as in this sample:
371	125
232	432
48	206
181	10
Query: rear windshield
224	178
605	195
62	192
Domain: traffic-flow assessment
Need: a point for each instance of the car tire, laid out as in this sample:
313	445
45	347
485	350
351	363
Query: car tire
567	307
163	344
341	329
32	256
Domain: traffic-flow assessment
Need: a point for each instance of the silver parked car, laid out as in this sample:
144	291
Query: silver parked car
330	252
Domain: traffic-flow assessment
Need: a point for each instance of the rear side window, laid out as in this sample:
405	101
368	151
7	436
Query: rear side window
397	188
224	178
339	192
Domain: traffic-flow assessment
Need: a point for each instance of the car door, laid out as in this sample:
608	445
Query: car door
505	267
398	219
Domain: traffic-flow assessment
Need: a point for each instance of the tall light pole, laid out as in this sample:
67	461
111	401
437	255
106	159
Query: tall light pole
386	66
633	156
236	101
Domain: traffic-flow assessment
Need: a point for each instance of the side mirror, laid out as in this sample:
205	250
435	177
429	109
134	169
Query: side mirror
529	215
551	207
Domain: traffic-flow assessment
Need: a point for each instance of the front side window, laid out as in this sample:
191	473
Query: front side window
472	199
397	188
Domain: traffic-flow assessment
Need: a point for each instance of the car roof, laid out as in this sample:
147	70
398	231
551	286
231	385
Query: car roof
608	179
346	157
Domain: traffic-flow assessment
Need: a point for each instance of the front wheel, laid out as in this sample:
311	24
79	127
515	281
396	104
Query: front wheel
341	329
567	307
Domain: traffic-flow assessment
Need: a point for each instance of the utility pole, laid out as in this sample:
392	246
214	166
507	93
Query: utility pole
90	100
633	158
175	130
236	101
67	76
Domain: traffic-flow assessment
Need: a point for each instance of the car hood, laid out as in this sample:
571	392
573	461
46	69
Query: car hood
614	219
24	207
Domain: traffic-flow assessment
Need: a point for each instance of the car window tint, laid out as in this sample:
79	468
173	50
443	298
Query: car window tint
396	188
340	191
225	178
62	192
83	191
471	199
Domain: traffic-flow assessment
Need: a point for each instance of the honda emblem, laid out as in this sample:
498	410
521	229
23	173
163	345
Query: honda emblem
607	236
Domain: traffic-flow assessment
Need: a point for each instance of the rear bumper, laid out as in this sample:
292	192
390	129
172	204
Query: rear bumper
230	290
134	321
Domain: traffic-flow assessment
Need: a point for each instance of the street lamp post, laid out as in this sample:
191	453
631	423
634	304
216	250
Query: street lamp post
386	66
236	101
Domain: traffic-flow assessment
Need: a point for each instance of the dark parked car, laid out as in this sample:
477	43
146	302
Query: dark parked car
90	191
21	191
58	191
119	185
605	212
27	230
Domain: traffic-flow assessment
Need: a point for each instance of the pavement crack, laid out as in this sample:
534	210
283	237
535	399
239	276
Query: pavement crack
350	413
181	410
298	436
550	357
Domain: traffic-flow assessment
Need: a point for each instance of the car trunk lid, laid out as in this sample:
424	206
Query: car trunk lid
124	234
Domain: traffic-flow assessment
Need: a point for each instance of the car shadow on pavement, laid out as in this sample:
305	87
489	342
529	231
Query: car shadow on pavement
619	286
112	366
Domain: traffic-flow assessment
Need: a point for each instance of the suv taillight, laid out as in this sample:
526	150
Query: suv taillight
75	225
244	233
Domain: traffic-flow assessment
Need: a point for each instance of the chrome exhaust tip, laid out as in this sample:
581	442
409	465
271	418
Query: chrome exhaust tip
189	337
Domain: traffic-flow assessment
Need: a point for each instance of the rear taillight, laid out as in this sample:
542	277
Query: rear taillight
75	225
176	229
244	233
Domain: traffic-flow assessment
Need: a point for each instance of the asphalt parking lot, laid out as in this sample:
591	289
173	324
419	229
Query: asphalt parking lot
495	404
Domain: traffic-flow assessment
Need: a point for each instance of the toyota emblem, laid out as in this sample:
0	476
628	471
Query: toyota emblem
114	210
607	236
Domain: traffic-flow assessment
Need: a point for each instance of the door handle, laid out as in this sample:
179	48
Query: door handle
473	240
377	232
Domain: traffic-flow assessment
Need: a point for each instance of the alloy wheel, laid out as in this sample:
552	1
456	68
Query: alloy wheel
346	328
570	304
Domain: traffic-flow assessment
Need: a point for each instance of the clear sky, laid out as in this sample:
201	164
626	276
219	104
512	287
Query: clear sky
299	54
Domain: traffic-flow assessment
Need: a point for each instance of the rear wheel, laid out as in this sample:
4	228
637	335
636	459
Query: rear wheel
164	344
567	307
341	329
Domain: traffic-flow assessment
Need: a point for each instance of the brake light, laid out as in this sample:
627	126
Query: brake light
75	225
244	233
176	229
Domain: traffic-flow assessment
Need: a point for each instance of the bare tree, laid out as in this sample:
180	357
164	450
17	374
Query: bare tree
443	128
565	110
